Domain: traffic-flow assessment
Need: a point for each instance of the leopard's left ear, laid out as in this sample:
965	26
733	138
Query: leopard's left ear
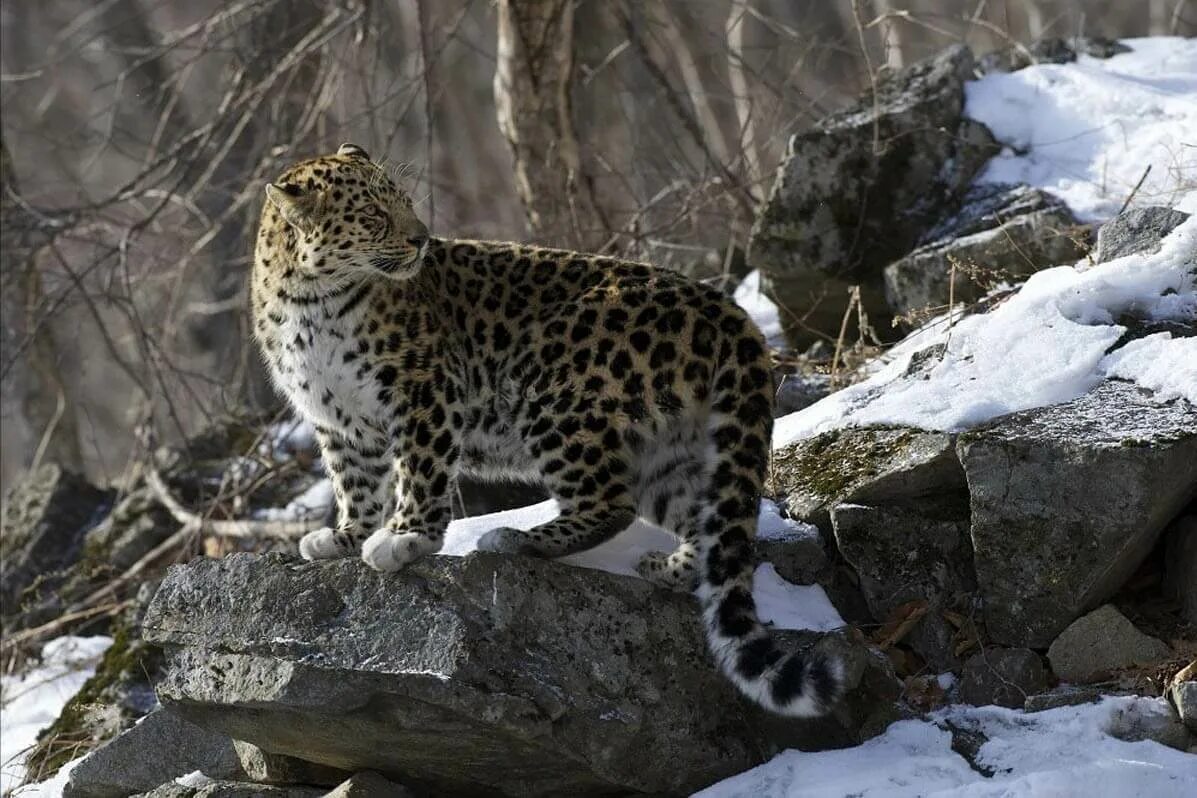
298	207
352	150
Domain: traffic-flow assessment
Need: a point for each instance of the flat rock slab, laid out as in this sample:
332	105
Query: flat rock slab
1067	500
866	465
484	675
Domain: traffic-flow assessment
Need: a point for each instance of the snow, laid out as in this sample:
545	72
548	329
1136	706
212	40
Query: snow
761	309
1044	345
786	605
1060	752
31	701
1085	132
312	503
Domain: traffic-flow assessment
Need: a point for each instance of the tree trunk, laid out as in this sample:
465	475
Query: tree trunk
533	83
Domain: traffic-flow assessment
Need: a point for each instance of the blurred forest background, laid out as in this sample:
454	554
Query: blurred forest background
137	135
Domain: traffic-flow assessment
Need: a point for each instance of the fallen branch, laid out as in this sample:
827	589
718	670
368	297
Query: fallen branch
11	642
193	523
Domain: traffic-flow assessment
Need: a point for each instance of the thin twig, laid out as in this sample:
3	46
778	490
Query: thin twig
1134	190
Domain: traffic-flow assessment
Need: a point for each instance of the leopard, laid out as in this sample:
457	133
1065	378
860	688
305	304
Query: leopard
627	391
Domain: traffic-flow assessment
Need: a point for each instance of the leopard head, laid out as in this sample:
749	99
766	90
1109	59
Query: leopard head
343	215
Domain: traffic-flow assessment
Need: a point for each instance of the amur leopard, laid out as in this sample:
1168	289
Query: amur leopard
625	389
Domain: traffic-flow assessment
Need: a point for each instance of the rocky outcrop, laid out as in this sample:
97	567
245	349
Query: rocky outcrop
858	189
863	465
1100	642
46	519
1002	233
483	675
1067	500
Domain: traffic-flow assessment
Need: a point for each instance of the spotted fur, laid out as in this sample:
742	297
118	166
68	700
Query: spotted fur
627	390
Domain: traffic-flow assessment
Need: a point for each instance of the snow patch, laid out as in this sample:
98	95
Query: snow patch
1044	345
1086	131
1059	752
31	701
763	311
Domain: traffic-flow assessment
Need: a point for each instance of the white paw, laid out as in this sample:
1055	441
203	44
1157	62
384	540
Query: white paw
503	540
389	551
320	545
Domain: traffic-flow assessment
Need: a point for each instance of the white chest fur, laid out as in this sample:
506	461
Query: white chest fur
318	368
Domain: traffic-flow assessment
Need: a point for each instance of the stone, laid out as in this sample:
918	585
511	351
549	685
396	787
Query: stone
1065	695
857	190
1006	677
796	391
369	785
1068	500
908	553
1001	234
797	552
1135	231
46	518
1183	695
1182	692
1150	720
1180	563
864	465
234	789
162	747
1050	50
263	767
486	674
1101	642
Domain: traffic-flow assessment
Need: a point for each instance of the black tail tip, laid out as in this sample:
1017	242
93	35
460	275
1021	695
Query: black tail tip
807	684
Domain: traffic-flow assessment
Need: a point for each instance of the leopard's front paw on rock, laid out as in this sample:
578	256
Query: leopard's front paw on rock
324	544
387	550
503	540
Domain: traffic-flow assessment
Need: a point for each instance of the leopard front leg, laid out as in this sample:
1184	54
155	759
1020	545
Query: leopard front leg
425	474
363	481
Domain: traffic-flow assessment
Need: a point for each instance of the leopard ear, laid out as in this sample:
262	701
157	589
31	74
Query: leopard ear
352	150
298	207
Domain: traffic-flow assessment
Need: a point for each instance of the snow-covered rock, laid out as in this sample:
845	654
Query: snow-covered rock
856	191
1139	230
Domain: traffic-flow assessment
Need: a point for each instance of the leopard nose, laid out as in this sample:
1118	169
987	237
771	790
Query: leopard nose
418	241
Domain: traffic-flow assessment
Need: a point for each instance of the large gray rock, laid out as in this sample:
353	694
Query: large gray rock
1002	233
162	747
1067	500
1150	720
904	553
483	675
865	465
1184	697
263	767
858	189
46	518
1006	677
1136	230
1100	642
